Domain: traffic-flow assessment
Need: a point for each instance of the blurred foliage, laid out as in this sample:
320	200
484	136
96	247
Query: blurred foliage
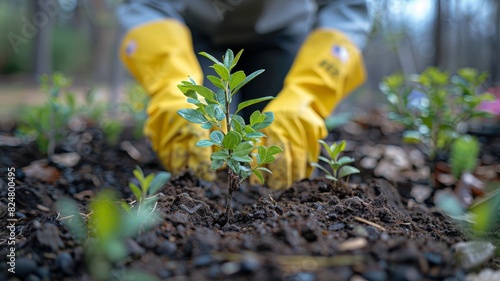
105	232
435	107
464	154
136	102
48	124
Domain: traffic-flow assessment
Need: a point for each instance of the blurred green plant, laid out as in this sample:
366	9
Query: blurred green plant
434	107
135	105
235	141
103	235
145	192
340	167
49	123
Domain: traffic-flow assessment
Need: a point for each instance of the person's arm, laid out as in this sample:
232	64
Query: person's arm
351	17
328	66
133	13
157	50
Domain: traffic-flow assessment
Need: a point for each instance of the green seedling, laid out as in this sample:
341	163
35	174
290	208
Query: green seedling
234	139
145	192
339	165
464	152
103	233
49	123
136	103
434	107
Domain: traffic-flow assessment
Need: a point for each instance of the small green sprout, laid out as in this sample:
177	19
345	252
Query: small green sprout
339	166
145	192
234	139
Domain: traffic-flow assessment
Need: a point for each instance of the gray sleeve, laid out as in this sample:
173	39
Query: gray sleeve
349	16
137	12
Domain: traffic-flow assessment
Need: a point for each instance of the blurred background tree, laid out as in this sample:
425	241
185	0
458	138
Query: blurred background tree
81	39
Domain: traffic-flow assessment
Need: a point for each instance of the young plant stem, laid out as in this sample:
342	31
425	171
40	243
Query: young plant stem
233	182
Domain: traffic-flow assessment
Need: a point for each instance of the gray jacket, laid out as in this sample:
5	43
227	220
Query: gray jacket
236	21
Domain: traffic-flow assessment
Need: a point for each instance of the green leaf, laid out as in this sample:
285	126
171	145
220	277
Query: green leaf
254	135
220	95
243	149
234	165
203	91
345	160
267	121
324	159
412	137
347	170
220	155
147	182
259	175
256	117
138	174
236	79
160	179
337	149
248	103
221	71
215	81
207	126
236	59
210	57
205	143
241	158
248	79
217	136
321	168
273	149
216	164
135	190
76	225
192	115
215	111
264	169
237	123
231	140
332	178
228	58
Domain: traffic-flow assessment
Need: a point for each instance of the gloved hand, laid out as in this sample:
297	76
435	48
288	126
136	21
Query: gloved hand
159	55
327	67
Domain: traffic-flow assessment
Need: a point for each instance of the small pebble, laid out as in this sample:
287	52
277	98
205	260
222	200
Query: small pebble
65	263
25	266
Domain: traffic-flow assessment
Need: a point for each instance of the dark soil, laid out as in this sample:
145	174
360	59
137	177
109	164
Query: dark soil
364	230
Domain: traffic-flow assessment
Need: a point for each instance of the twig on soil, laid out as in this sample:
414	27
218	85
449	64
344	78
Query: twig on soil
192	210
370	223
272	200
300	261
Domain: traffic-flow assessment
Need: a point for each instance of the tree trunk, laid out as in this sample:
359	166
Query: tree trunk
495	49
438	26
43	39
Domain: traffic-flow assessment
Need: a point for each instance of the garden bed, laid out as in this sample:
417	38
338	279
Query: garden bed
372	229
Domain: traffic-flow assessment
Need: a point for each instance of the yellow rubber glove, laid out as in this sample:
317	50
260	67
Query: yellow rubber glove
160	55
327	67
